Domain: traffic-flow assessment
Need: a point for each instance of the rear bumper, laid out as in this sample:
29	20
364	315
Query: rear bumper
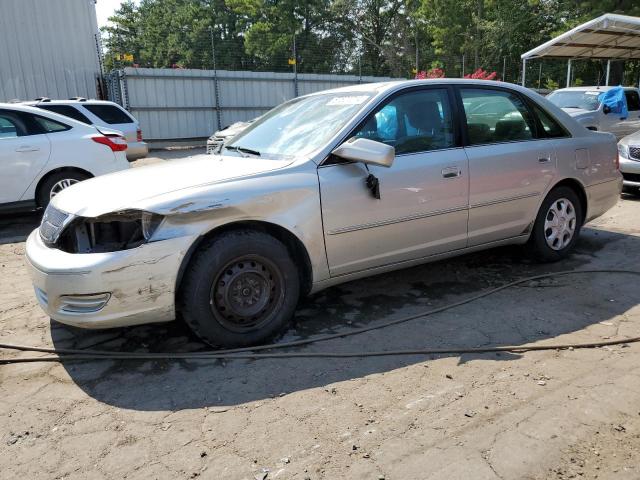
136	150
104	290
602	196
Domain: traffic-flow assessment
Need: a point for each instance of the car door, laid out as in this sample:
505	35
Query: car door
24	151
422	209
632	123
509	168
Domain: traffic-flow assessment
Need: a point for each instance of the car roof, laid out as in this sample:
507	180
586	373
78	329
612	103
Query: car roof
21	107
602	88
68	102
380	87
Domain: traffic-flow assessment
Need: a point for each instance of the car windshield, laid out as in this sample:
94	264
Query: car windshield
298	127
575	99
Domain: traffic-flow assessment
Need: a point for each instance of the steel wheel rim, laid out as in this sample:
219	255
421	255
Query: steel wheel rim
61	185
560	224
246	293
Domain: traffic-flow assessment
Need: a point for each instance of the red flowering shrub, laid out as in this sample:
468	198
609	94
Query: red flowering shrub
433	73
481	74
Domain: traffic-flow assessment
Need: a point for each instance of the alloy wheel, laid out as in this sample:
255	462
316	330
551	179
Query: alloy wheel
560	224
61	185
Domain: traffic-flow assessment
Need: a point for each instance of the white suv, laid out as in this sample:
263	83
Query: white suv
100	113
583	105
41	153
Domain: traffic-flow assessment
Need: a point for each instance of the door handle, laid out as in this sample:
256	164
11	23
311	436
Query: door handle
544	159
451	172
27	148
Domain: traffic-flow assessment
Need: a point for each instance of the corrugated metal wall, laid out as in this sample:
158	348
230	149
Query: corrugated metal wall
181	104
48	48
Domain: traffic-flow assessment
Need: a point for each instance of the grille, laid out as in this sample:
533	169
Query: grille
632	177
634	153
53	222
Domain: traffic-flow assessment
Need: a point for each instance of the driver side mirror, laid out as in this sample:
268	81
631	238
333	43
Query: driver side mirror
366	151
606	109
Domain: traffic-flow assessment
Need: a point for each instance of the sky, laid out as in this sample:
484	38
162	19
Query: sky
105	8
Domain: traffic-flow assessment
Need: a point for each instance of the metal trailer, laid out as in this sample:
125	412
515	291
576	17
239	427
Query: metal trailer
49	49
183	104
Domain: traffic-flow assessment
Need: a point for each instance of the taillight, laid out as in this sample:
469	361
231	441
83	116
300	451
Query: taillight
115	142
139	135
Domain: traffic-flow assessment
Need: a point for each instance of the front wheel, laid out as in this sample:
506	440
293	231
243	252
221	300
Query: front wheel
557	226
240	289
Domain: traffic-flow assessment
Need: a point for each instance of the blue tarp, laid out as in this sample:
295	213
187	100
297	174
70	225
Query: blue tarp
616	101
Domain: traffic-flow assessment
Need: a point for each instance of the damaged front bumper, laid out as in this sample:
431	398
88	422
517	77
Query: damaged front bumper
108	289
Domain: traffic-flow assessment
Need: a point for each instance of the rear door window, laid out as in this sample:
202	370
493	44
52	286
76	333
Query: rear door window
12	125
8	128
67	111
496	116
108	113
550	126
48	125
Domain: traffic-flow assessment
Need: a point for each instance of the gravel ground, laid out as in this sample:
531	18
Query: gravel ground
537	415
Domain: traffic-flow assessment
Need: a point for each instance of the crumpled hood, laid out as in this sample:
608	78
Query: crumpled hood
124	190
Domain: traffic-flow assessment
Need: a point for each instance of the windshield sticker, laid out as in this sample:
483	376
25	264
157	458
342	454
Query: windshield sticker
352	100
592	93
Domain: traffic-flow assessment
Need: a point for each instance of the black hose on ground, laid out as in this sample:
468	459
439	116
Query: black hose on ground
68	354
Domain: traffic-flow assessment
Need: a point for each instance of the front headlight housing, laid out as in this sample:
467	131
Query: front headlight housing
150	223
110	232
623	150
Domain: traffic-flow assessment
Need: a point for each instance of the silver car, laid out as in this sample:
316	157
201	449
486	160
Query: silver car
323	189
629	154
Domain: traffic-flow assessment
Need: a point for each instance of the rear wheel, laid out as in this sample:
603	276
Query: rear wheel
557	226
57	182
240	289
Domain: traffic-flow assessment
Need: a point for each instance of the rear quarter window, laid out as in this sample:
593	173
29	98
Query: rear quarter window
67	111
109	114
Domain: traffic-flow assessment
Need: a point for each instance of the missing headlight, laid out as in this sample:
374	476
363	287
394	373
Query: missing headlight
109	233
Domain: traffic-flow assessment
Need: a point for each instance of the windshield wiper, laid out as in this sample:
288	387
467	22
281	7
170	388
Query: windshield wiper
243	150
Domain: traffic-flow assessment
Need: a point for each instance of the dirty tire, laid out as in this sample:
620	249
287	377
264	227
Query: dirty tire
44	191
240	289
538	247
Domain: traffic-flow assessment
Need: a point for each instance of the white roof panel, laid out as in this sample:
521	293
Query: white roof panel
609	36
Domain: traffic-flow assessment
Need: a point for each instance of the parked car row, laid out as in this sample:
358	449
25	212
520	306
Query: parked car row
42	153
323	189
48	145
100	113
584	105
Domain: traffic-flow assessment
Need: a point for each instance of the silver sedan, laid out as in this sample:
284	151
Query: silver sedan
629	153
323	189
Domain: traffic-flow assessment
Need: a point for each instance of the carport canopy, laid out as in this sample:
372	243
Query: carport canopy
608	37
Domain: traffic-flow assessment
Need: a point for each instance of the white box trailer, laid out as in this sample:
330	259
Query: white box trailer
49	48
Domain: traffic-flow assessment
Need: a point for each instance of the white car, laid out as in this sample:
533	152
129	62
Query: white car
583	105
42	153
100	113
